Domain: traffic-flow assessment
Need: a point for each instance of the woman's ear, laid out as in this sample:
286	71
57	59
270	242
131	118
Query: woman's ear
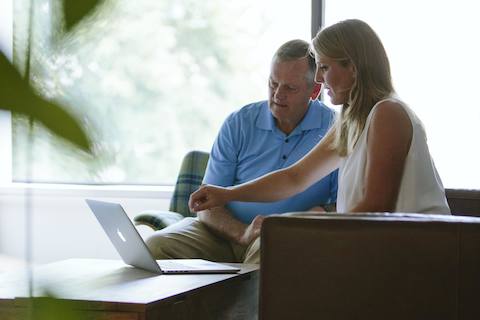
353	70
317	87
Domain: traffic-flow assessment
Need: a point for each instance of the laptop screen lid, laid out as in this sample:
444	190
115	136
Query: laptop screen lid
123	235
133	250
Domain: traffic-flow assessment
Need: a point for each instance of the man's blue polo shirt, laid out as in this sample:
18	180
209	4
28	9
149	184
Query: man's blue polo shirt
250	145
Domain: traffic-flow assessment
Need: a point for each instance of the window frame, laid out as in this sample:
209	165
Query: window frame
6	46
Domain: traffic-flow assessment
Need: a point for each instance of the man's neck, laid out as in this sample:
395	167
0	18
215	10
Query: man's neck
286	128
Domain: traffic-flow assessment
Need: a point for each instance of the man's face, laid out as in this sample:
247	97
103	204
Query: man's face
289	92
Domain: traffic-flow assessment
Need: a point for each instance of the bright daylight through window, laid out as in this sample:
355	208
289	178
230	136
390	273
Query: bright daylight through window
433	49
157	78
152	79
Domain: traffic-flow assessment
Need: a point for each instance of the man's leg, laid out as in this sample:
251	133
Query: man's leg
189	239
252	252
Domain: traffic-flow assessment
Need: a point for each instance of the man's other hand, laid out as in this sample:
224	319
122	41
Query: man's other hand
252	232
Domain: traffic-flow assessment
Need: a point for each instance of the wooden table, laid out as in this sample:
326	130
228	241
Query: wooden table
109	289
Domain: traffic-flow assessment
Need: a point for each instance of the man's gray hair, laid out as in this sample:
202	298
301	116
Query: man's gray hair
297	49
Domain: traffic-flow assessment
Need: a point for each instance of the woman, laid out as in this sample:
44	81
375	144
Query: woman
378	142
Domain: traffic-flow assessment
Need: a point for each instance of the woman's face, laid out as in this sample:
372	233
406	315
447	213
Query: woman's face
337	78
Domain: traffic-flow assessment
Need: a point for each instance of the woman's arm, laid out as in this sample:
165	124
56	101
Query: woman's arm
280	184
389	138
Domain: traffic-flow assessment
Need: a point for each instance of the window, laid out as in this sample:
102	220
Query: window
433	51
151	79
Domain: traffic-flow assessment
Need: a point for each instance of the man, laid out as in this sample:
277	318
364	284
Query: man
257	139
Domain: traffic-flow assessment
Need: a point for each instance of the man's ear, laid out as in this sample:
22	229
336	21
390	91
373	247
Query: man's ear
317	87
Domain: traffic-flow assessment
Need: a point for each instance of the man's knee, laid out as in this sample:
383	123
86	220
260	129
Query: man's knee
187	239
160	246
252	255
164	243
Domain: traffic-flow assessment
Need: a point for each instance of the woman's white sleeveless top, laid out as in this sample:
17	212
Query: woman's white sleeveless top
421	190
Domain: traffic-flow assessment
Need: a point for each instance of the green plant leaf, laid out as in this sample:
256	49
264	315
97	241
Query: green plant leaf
50	308
16	95
75	10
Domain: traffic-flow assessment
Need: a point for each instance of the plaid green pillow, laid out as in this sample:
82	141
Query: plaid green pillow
189	179
157	220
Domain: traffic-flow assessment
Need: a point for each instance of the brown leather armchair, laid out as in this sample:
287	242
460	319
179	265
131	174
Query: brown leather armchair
370	266
464	202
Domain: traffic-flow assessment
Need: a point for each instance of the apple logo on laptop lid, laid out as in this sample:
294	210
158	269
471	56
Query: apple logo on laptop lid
120	235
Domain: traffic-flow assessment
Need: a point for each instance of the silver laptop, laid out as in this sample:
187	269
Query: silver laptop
133	249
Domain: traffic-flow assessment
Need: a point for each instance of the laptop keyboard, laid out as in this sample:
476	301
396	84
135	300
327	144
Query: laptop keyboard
172	264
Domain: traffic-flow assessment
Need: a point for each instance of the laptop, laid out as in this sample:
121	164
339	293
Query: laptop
133	250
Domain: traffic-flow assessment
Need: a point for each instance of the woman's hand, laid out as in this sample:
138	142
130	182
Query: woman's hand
208	196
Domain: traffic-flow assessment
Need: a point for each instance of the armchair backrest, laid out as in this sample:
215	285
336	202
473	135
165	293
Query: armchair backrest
464	202
189	179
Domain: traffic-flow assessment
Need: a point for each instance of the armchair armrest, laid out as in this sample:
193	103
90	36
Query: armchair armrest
157	219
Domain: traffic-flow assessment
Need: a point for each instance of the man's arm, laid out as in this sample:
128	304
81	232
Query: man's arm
221	169
220	221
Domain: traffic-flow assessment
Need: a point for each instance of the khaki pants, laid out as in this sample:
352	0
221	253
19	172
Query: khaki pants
191	239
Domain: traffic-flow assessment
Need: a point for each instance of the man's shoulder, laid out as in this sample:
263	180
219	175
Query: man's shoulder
321	107
248	112
318	110
253	108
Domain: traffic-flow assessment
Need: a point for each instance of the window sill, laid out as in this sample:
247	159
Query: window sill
97	191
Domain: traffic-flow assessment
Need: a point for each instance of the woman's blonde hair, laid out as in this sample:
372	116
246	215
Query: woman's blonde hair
354	42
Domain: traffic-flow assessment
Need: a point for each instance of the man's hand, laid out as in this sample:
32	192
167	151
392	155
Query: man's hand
252	232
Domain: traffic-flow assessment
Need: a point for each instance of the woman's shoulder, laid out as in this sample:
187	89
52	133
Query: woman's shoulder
391	114
390	103
390	108
390	132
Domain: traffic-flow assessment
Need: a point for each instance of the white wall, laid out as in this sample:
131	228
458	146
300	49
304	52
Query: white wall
63	225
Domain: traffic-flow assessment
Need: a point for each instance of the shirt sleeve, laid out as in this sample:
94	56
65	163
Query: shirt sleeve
222	164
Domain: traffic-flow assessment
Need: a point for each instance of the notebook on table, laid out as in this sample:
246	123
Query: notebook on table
133	250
